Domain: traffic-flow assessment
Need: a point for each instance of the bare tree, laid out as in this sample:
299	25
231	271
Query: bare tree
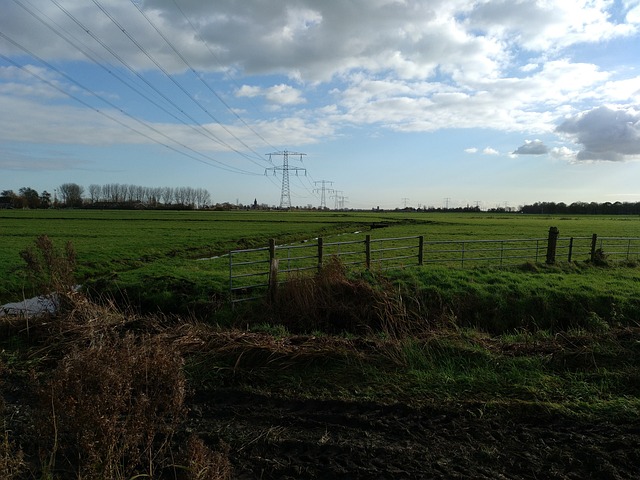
71	194
94	192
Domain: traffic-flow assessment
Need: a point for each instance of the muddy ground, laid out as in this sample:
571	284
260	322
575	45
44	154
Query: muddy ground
278	438
275	438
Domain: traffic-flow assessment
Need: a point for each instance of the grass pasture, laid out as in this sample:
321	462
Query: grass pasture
143	244
156	255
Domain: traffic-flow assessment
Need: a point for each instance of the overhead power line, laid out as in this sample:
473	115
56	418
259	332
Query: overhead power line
200	37
163	101
197	75
166	73
111	117
74	42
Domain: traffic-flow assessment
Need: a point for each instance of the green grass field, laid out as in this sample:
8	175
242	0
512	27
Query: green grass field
140	248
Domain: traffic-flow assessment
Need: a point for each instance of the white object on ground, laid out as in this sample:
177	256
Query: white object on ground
32	306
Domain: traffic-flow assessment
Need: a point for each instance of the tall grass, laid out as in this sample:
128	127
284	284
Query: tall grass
336	302
106	391
48	268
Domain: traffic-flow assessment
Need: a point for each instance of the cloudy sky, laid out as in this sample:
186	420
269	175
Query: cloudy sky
396	102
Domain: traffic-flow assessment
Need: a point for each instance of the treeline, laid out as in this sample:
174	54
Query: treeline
583	208
112	195
25	198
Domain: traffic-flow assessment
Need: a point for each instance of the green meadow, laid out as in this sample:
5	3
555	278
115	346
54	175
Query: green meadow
142	251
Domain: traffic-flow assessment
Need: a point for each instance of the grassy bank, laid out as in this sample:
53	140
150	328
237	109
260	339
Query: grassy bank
97	392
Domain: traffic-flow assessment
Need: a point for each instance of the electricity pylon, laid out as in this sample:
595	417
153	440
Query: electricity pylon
336	195
339	199
285	196
323	191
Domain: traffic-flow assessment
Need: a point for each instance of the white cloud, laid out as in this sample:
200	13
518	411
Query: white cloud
405	65
627	90
633	14
277	94
605	133
563	153
550	25
529	67
471	150
490	151
315	41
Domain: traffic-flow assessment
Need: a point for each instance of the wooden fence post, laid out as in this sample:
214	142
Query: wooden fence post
594	243
570	249
367	251
552	244
320	252
273	270
421	250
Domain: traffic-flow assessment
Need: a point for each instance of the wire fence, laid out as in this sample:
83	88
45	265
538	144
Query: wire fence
253	272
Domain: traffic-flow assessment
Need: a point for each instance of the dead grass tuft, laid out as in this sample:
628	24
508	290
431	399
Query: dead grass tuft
50	269
333	302
12	463
205	463
113	407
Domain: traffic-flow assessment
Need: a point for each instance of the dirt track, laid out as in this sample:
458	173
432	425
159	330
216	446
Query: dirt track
274	438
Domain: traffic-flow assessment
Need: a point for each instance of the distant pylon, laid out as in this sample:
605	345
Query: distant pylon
285	195
339	199
323	191
336	195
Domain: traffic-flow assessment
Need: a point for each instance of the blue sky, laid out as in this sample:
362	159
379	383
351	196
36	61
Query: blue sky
445	102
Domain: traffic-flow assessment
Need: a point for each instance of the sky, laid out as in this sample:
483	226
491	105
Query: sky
381	103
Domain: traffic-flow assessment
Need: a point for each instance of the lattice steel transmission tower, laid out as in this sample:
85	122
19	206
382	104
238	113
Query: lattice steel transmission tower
323	192
285	196
340	199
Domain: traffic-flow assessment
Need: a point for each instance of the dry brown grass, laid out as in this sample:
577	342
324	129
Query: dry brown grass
111	397
333	302
205	463
49	268
11	456
114	406
12	463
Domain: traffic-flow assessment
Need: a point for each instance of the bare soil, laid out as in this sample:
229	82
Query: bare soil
271	437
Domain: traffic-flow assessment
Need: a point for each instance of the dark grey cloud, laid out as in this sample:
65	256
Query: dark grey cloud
605	133
532	147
